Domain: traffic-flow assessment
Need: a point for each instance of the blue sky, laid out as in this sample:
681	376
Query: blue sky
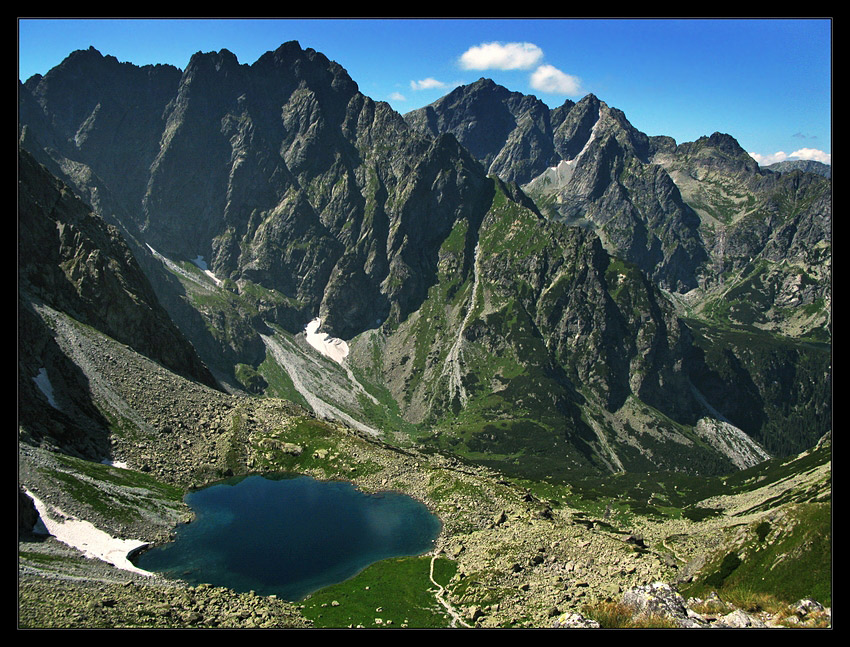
766	82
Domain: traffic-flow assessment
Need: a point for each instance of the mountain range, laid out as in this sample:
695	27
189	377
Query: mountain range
545	292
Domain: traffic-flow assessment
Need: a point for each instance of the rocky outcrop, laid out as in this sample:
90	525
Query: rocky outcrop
27	514
662	603
582	162
280	173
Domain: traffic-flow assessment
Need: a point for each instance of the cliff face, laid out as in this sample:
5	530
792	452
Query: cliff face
583	163
280	173
768	237
511	134
257	197
692	216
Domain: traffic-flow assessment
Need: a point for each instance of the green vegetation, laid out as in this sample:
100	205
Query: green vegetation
621	276
279	384
306	445
660	495
755	602
716	578
119	477
392	593
117	494
250	379
753	293
776	561
46	559
618	498
785	383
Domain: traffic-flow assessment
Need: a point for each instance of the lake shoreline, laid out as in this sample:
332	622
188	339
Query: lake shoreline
320	532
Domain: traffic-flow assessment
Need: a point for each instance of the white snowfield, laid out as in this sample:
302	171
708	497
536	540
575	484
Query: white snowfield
91	541
201	264
331	347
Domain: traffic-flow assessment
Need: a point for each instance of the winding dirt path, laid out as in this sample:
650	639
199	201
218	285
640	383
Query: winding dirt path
439	595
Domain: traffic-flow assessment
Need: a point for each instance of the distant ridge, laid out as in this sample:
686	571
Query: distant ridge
809	166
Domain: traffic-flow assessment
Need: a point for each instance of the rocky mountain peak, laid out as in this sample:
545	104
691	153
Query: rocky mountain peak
222	59
508	132
85	58
722	141
720	150
290	59
287	52
590	99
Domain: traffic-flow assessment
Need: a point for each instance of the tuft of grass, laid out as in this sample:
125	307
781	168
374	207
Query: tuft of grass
616	615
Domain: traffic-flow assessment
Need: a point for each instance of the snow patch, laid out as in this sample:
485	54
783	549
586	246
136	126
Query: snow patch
331	347
111	463
182	272
85	537
201	264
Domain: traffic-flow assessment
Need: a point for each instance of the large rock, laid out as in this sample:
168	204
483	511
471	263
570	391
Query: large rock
659	599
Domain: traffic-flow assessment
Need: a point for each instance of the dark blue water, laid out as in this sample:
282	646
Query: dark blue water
290	535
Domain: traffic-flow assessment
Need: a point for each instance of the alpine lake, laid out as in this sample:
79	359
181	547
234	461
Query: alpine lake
289	535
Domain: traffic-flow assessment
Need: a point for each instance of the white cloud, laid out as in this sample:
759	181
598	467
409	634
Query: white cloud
802	154
812	154
501	56
548	78
767	160
397	96
427	84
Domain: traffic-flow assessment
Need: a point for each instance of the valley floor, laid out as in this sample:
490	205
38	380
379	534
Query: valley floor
520	557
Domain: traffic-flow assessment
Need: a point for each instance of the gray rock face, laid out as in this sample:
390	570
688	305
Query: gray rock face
279	173
27	514
511	134
593	312
305	198
679	212
586	163
657	598
572	620
768	235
